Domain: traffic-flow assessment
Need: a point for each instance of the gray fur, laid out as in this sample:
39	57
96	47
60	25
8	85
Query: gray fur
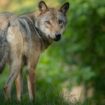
4	49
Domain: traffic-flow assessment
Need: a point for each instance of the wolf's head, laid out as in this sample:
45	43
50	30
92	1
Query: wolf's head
52	21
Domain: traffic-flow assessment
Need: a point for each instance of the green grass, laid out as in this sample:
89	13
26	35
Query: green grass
43	97
46	93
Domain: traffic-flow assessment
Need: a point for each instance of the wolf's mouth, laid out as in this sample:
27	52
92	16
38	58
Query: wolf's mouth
57	38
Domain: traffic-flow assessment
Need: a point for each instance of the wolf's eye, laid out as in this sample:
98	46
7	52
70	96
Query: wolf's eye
60	21
48	22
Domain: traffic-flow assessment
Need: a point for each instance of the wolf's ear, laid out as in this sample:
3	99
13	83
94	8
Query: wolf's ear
42	6
64	8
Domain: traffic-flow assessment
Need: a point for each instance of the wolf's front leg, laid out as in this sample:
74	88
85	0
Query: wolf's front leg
19	86
31	84
15	69
32	62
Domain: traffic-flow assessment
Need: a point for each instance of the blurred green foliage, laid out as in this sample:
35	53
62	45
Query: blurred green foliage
79	58
85	45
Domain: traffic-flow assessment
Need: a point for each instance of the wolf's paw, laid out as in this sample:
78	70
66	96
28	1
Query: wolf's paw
6	93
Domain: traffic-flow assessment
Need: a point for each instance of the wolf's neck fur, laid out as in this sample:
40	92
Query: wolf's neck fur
44	40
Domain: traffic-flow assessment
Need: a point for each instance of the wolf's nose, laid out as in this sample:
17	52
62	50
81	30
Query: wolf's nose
58	37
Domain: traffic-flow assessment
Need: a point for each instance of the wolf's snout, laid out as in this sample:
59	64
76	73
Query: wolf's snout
57	37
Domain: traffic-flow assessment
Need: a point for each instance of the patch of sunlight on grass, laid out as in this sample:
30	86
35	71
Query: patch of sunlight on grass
17	6
52	3
14	5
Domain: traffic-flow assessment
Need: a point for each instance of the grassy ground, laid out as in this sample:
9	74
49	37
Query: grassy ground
48	97
46	94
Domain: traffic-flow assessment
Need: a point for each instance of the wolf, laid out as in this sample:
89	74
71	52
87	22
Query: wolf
23	38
